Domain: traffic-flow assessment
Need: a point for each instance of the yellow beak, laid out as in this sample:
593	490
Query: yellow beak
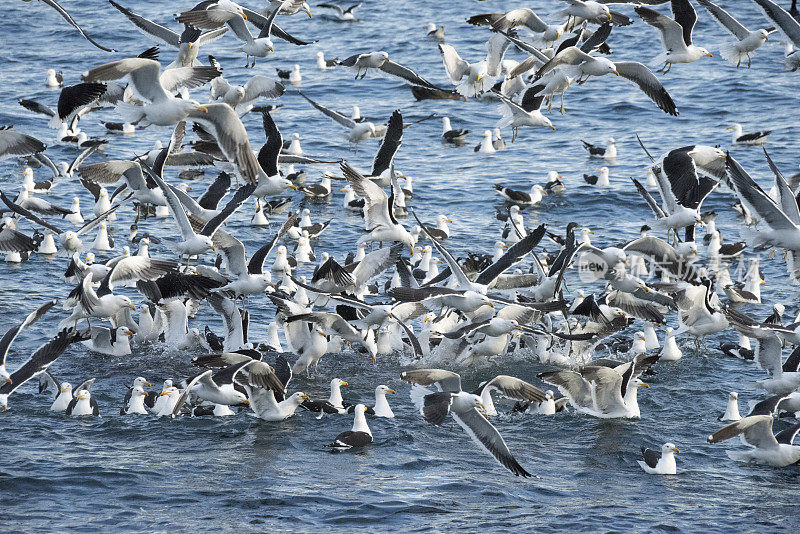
391	391
645	385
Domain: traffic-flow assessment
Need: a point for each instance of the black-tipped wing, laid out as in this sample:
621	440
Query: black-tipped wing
40	360
391	142
648	83
513	255
77	96
448	381
61	11
13	143
399	70
257	259
242	194
486	435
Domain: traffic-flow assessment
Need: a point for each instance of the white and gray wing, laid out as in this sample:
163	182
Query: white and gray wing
347	122
447	380
188	77
571	55
261	86
376	202
648	83
757	430
496	48
671	31
572	385
486	435
144	75
515	388
148	27
786	22
755	199
375	263
455	67
13	143
786	198
185	393
768	354
725	19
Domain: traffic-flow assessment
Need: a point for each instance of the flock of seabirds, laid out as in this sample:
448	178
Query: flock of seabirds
401	290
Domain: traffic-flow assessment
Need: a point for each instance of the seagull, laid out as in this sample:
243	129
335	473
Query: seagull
449	135
333	404
110	172
191	244
343	14
463	406
242	97
609	152
361	63
135	399
150	84
659	463
250	278
519	18
603	392
359	436
379	217
510	387
83	404
36	364
782	222
756	431
381	408
475	78
358	131
752	139
54	79
587	9
325	64
217	388
789	27
522	198
434	32
188	42
676	34
682	189
270	181
731	408
526	113
747	41
260	46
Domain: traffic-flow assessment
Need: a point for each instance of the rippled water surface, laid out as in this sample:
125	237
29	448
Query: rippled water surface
238	473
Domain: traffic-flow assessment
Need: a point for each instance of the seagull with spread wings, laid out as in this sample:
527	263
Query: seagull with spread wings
676	34
463	406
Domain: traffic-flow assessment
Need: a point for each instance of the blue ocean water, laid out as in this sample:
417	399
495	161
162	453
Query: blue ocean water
239	473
